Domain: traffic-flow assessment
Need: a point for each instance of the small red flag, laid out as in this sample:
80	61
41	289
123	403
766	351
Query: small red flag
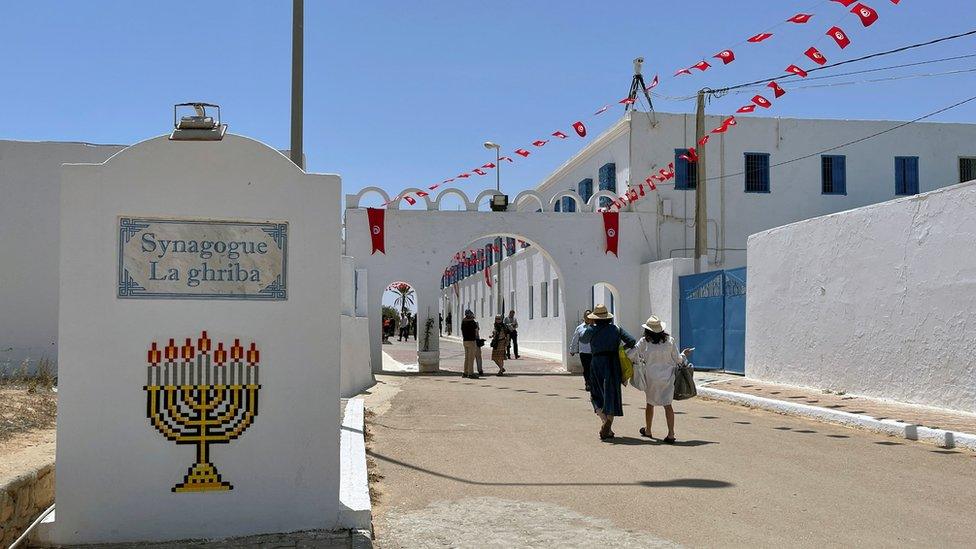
602	110
653	186
559	134
691	156
464	176
653	84
422	194
642	186
895	2
434	186
867	14
632	195
845	3
375	217
539	142
726	124
839	36
780	92
479	171
704	140
815	56
580	128
760	37
410	200
762	101
797	71
800	18
488	276
611	226
627	101
746	109
522	152
489	165
701	65
726	56
506	158
682	71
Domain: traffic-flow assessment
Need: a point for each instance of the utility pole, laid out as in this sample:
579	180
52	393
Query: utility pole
297	80
701	208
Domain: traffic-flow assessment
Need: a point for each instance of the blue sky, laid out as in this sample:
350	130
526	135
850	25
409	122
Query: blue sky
403	93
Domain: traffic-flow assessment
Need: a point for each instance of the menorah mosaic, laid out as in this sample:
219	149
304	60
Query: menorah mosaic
202	395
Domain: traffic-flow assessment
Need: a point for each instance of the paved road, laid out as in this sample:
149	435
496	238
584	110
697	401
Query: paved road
515	461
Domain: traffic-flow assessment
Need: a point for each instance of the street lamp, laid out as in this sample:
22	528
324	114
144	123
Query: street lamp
498	163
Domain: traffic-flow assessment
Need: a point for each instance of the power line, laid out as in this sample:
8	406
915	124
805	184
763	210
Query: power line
854	142
847	62
875	80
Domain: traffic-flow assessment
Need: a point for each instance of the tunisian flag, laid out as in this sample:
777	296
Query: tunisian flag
488	275
375	216
611	226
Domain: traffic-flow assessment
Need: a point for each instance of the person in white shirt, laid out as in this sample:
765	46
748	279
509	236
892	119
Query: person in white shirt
657	357
581	344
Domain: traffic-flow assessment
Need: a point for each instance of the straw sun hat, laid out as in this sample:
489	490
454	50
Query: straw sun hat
600	312
654	324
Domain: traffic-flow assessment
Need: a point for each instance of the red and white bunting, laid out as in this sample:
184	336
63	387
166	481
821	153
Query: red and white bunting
726	56
559	134
760	37
815	56
800	18
867	14
839	36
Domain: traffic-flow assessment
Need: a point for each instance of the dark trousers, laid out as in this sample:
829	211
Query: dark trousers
512	343
585	358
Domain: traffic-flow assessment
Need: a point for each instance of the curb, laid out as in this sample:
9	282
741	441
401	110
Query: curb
355	509
939	437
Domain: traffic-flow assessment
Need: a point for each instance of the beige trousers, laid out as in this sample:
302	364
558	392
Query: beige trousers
472	354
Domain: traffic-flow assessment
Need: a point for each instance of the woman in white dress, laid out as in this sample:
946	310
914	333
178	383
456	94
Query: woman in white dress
657	357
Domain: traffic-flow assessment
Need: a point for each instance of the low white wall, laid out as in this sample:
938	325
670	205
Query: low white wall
660	294
30	183
356	373
878	301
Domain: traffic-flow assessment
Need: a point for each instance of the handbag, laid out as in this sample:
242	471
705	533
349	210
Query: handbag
480	342
684	382
626	366
637	381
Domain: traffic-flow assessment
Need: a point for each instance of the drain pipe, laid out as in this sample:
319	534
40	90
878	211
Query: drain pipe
27	532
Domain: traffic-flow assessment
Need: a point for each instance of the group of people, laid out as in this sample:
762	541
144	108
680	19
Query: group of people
655	358
504	337
403	327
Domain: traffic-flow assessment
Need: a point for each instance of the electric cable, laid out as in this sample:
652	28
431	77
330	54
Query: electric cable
854	142
727	89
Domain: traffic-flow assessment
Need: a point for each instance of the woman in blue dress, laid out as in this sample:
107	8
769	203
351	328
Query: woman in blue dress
605	378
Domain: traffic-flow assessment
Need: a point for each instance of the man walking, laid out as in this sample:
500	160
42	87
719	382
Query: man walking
581	344
449	320
472	352
404	333
511	324
440	324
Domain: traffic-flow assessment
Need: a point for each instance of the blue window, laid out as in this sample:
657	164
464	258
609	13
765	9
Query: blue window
569	205
685	173
498	249
489	256
510	246
558	206
906	175
757	172
833	174
585	189
608	182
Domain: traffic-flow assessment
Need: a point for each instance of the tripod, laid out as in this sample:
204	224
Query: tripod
637	84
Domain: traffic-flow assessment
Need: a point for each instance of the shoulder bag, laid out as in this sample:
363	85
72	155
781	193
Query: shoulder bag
684	382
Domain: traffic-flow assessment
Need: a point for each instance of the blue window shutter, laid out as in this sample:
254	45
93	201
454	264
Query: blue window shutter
680	169
569	205
899	175
608	177
840	174
585	189
912	175
557	207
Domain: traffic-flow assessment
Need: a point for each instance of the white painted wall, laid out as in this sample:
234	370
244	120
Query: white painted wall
660	292
356	373
114	470
878	301
30	181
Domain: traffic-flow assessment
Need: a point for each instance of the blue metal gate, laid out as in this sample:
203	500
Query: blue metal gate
713	319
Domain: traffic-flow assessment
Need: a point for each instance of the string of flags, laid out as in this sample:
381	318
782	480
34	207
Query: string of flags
865	14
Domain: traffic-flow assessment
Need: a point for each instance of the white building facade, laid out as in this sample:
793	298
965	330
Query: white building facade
762	173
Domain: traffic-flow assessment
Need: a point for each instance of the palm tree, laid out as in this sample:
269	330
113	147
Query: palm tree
405	295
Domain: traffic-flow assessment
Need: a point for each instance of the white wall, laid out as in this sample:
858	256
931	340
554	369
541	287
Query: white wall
878	301
660	292
356	373
115	471
30	178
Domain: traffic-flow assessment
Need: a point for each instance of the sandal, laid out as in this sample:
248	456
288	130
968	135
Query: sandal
669	440
644	434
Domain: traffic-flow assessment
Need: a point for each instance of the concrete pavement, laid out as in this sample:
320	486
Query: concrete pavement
515	461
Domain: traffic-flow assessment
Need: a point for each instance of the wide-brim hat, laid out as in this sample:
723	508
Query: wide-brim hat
654	324
600	312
